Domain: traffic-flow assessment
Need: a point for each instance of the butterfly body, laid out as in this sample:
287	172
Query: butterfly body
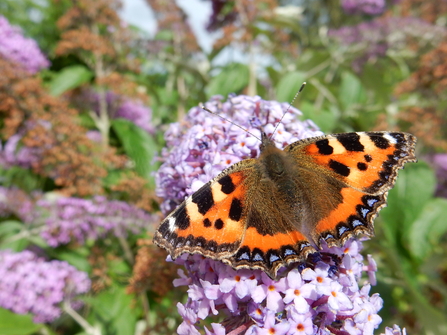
271	211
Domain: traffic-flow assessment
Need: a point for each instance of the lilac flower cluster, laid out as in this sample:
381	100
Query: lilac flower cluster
137	113
321	297
75	219
121	107
368	7
203	144
19	49
383	36
29	284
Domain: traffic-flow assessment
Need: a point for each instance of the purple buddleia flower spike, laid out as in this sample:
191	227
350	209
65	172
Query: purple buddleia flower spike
369	7
29	284
375	39
119	106
137	113
321	296
64	220
19	49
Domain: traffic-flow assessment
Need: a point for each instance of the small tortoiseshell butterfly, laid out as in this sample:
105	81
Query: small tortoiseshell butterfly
268	212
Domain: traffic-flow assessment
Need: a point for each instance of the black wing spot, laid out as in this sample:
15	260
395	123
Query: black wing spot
339	168
181	217
380	141
212	245
164	228
227	184
203	199
324	148
351	141
218	224
235	210
368	158
398	136
362	166
207	223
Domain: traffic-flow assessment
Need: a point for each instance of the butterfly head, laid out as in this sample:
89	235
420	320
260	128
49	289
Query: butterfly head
266	141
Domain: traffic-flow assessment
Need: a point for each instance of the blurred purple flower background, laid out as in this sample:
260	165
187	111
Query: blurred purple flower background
64	220
387	35
30	284
368	7
19	49
121	107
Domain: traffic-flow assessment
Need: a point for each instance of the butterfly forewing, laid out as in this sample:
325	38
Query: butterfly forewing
366	161
212	220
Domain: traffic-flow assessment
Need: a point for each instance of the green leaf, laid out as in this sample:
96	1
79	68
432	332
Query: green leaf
164	35
373	80
414	187
10	227
17	324
232	79
138	145
68	78
117	266
289	85
351	90
428	228
77	257
8	236
323	118
113	178
114	309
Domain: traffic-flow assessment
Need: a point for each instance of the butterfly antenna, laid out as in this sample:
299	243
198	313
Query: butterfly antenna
246	130
290	105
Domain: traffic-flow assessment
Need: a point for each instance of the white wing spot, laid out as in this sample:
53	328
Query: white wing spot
171	223
390	138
